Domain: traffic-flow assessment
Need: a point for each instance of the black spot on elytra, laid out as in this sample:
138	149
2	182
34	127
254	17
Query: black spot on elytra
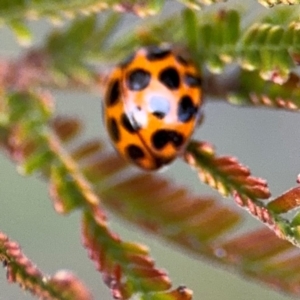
135	152
170	78
191	80
113	94
138	79
159	114
186	109
162	137
113	130
157	53
128	125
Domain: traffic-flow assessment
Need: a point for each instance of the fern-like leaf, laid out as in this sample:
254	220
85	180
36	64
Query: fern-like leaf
268	94
126	267
60	9
81	177
225	173
266	51
19	269
229	177
198	224
271	3
85	178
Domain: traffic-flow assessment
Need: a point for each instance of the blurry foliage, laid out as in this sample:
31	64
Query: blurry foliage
264	56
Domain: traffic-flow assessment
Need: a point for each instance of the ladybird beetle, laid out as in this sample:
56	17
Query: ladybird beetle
151	105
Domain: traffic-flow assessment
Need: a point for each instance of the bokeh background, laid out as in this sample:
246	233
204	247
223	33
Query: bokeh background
266	140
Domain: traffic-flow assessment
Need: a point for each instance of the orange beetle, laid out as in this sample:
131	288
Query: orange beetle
152	105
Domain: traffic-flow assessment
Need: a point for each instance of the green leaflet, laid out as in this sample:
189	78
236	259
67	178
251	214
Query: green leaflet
21	31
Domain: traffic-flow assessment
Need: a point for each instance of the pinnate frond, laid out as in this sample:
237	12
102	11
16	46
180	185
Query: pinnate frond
62	9
84	178
14	14
271	3
225	173
126	267
219	38
89	177
230	177
115	258
77	46
19	269
270	45
267	51
198	224
266	46
270	49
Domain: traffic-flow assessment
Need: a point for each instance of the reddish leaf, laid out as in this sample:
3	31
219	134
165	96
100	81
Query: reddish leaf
126	268
196	223
63	285
286	202
225	173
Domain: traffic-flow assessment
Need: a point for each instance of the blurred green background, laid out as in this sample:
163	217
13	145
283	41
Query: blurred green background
267	141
